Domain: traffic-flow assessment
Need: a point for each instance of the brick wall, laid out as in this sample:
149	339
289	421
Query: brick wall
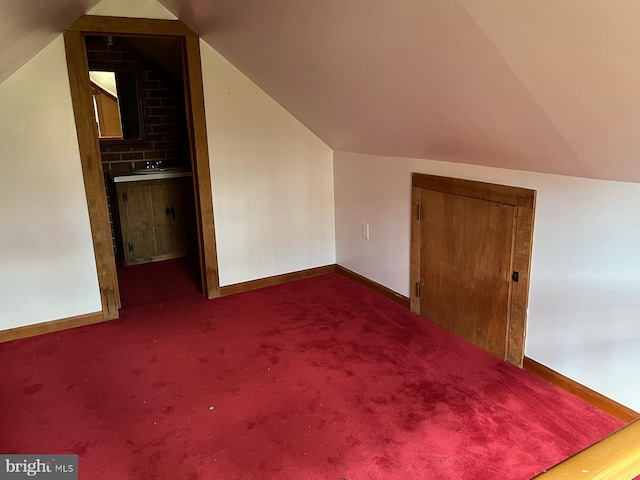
164	110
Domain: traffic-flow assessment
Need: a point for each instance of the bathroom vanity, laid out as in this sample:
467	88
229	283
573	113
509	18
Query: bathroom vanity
154	214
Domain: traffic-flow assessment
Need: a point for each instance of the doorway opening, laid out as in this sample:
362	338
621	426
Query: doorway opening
139	105
136	87
471	245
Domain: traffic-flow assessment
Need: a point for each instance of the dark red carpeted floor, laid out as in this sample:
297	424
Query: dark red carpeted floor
156	281
317	379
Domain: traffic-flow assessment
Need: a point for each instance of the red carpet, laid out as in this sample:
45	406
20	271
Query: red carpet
317	379
157	281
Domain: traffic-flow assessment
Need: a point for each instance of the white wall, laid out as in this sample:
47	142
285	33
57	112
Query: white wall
584	308
47	266
272	180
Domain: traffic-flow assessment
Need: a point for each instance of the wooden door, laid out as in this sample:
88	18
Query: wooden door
107	113
179	192
77	67
155	219
135	203
161	218
466	263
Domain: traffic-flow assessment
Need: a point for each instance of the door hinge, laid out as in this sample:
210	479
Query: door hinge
124	197
130	247
419	211
418	289
514	277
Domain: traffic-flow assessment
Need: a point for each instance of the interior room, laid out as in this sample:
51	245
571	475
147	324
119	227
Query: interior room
220	233
139	104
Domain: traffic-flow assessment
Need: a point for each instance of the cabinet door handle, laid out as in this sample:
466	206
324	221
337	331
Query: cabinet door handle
173	213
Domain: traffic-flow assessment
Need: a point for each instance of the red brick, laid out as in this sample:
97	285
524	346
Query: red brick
110	157
176	136
159	111
162	128
175	153
172	145
121	168
156	137
110	56
114	147
131	156
175	119
173	102
161	93
157	155
139	165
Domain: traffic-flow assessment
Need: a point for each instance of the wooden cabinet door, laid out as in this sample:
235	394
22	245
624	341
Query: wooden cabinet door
467	250
161	218
155	219
178	191
138	238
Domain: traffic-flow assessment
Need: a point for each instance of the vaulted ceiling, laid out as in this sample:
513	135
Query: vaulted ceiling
541	86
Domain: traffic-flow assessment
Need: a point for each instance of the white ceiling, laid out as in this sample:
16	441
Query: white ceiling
27	26
542	86
106	81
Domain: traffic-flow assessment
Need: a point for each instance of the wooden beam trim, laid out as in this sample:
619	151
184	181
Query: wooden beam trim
276	280
415	256
194	93
92	173
381	289
49	327
522	197
596	399
95	24
520	290
615	457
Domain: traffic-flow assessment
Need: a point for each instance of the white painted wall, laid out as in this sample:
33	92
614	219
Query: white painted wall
272	180
584	308
47	266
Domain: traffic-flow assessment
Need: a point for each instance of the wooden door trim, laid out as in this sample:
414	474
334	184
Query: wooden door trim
583	392
521	197
127	26
92	173
194	91
90	159
524	199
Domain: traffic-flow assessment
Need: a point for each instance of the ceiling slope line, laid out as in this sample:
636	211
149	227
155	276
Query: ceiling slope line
32	25
498	52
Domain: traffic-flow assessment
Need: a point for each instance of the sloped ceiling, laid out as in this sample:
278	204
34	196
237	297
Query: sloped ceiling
27	26
541	86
